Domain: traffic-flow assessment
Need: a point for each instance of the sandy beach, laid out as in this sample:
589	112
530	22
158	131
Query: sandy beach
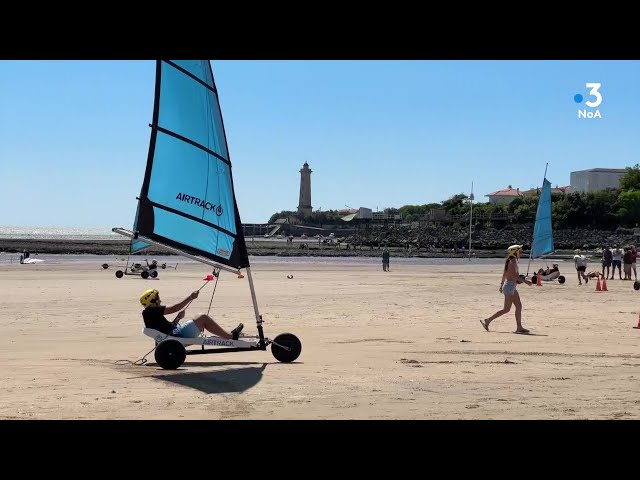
406	344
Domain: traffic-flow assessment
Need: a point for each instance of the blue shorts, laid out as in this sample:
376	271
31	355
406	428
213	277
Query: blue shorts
186	330
509	288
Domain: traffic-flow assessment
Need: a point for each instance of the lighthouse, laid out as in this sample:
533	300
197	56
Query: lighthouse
304	203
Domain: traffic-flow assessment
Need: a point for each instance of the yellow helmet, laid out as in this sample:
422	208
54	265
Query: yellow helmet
514	251
149	297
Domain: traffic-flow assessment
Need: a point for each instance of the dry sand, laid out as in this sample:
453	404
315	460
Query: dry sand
400	345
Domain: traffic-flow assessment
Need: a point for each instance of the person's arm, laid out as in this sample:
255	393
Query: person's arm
179	306
504	274
178	318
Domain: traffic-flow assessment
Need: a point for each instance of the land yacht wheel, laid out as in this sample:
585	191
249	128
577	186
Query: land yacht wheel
170	354
292	347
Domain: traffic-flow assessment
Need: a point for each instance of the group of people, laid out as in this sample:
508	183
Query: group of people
622	259
511	276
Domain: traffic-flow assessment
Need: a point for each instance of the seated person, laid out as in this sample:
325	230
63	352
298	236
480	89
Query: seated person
154	312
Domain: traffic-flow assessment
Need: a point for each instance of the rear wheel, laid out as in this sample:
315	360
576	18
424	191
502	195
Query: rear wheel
292	350
534	279
170	354
144	274
561	279
105	266
154	274
636	285
119	274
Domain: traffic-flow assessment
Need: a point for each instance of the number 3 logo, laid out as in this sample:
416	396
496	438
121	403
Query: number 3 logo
594	91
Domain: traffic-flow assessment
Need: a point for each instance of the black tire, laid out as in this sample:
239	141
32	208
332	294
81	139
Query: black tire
561	279
534	279
636	285
154	274
105	266
164	265
287	340
170	354
119	274
144	274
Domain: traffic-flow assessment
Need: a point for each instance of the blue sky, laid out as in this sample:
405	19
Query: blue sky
74	135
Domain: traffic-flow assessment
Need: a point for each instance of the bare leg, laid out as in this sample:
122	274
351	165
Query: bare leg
518	304
206	322
579	279
507	306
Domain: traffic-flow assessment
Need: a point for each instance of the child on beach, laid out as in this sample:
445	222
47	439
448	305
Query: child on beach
510	278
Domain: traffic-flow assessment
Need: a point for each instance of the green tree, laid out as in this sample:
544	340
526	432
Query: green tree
629	207
631	179
455	205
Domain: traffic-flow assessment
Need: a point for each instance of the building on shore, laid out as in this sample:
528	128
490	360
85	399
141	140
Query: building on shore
596	179
504	196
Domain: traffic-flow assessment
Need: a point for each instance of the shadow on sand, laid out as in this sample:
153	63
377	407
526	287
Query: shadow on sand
221	381
530	334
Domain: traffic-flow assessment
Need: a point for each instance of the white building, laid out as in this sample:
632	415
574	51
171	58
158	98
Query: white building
596	179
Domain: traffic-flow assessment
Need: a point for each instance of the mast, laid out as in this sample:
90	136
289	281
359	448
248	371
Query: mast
470	219
533	238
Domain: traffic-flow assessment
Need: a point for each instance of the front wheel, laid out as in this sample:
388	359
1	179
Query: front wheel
561	279
154	274
534	280
119	274
636	285
144	274
292	347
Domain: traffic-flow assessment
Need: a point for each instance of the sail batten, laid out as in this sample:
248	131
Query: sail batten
187	199
191	142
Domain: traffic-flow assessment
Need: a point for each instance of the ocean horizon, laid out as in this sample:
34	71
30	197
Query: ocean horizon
13	232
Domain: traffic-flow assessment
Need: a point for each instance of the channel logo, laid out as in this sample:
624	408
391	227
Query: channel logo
594	101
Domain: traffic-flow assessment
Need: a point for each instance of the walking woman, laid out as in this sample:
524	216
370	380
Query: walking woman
510	278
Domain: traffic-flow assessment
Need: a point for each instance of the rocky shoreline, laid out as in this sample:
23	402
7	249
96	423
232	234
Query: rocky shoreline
402	241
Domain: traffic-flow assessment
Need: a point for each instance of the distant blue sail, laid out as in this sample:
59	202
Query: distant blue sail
543	230
187	200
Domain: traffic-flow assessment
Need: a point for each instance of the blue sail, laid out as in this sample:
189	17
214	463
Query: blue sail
137	245
187	200
543	230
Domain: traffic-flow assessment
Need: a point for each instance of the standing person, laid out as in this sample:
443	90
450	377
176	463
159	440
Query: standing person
634	256
510	278
580	262
385	259
616	261
627	263
606	261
